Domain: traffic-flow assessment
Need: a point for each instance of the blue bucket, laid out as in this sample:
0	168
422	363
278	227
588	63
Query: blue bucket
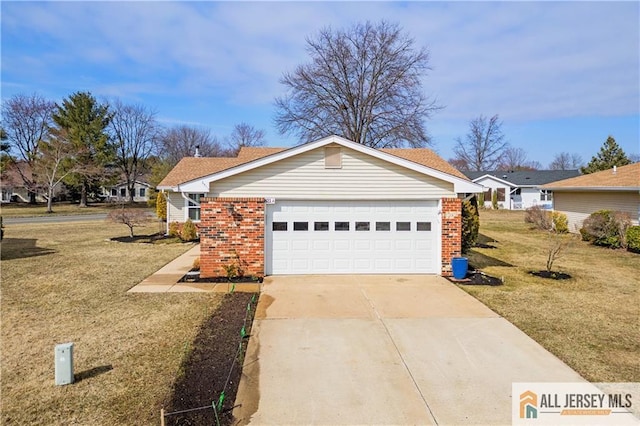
459	266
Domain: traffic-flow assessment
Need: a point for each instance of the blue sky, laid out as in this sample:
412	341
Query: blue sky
562	75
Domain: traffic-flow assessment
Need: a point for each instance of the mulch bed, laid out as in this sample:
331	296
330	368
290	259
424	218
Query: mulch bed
206	368
551	275
477	278
237	280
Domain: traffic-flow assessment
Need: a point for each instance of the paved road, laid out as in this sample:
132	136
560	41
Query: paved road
54	219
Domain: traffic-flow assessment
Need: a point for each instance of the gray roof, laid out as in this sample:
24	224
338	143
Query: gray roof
527	177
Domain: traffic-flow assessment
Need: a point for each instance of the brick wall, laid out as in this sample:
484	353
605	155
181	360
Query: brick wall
231	236
451	232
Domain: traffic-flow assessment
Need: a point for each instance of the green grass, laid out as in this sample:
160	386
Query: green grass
68	283
590	321
61	208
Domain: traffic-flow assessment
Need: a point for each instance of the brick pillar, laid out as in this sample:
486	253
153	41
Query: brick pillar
451	232
231	231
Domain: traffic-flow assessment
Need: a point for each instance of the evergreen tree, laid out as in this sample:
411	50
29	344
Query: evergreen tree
85	122
610	155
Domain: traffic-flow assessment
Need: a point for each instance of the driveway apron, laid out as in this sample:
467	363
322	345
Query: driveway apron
394	350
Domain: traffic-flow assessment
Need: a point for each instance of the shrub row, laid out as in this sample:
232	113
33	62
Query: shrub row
186	231
611	229
546	220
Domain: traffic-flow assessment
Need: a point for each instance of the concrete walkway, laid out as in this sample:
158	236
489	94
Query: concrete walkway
393	350
166	279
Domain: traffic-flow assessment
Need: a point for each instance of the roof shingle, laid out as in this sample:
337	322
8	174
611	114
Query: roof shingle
625	177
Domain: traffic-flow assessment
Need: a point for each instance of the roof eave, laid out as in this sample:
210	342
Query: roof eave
593	188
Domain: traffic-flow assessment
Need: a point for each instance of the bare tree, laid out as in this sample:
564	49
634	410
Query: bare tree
55	162
131	217
512	158
244	134
26	122
459	164
566	161
134	132
483	145
363	83
182	141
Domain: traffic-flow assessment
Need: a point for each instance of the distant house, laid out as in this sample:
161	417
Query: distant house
518	190
614	189
120	193
13	188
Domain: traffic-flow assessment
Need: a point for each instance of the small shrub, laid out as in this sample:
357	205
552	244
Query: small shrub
540	218
195	266
161	205
231	271
174	229
606	228
633	239
481	200
189	231
470	225
560	222
127	216
494	200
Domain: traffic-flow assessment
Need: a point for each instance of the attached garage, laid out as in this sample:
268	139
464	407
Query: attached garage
339	237
327	207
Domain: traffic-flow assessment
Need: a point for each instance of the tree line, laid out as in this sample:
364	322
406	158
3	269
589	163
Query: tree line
484	148
86	144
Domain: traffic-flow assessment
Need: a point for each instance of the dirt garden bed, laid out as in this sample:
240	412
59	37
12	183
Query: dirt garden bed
212	367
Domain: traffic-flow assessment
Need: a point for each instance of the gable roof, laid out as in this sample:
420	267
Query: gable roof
625	178
191	170
522	178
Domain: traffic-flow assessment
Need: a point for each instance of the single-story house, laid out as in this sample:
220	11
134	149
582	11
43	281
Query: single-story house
616	189
13	188
120	192
330	206
520	189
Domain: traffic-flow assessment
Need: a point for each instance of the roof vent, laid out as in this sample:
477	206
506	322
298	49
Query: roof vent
197	154
504	176
615	170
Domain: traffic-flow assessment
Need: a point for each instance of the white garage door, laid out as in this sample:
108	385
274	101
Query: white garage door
338	237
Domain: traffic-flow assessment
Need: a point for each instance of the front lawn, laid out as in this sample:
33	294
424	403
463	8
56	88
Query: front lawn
68	283
61	208
591	321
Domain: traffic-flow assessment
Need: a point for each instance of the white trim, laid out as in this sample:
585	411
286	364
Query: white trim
497	179
592	188
202	184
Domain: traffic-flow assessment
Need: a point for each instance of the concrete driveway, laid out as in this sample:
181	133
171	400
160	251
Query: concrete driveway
392	350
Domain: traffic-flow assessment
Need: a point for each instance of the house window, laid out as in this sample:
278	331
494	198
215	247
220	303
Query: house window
487	195
546	195
383	226
500	195
142	192
279	226
321	226
193	206
341	226
362	226
423	226
114	192
403	226
300	226
123	192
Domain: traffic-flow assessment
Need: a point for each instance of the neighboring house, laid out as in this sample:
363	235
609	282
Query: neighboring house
330	207
615	189
120	193
518	190
13	188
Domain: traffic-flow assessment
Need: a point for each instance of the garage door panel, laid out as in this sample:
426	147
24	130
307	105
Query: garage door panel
358	248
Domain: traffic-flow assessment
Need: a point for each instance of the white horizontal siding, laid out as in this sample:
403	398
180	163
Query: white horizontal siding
305	177
175	207
579	205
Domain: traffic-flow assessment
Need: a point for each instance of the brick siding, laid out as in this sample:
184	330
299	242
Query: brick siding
451	233
231	236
